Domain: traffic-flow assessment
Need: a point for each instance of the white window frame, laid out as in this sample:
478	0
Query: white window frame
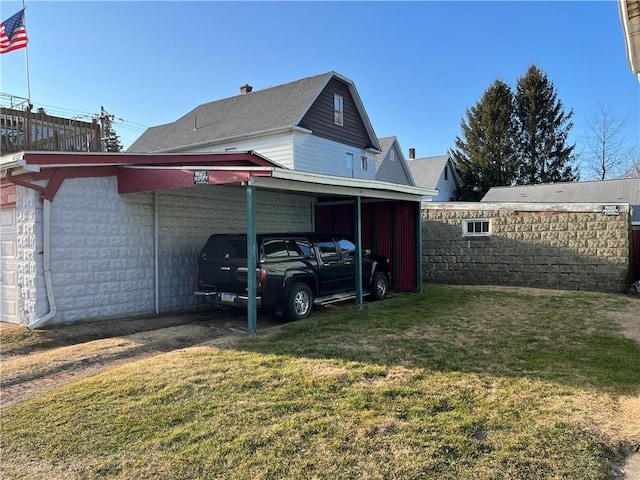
338	109
392	155
364	163
481	227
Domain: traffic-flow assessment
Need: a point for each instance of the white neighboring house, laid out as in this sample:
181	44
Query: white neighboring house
437	173
391	166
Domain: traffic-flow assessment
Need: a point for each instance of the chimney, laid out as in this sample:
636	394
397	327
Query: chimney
246	88
412	154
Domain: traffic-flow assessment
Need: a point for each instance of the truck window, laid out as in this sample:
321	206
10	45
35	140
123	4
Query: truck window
347	248
222	247
328	252
275	249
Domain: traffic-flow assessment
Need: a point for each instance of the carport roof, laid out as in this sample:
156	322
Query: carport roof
149	172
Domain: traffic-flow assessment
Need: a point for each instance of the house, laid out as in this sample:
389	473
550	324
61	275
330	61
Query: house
438	173
391	166
90	236
316	124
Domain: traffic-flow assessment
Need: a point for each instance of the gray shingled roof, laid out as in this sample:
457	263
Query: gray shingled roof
259	111
626	190
385	145
427	171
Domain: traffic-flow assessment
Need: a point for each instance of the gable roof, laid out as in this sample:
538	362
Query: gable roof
386	144
625	190
426	171
258	112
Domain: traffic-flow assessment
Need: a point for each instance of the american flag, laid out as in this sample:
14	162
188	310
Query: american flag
13	34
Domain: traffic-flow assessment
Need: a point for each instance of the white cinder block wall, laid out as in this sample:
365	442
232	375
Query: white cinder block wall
103	251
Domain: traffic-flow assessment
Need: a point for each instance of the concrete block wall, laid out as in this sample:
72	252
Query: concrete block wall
187	217
102	251
573	247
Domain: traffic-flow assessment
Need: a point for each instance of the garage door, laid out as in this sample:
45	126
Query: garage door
8	266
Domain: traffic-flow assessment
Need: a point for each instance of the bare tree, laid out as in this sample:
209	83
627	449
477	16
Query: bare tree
633	166
605	154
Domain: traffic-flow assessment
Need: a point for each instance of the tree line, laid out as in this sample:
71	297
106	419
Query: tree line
514	137
519	137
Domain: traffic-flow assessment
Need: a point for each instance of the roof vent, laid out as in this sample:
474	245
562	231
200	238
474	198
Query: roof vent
246	88
412	154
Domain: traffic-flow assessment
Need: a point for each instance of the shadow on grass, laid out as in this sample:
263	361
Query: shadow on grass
566	338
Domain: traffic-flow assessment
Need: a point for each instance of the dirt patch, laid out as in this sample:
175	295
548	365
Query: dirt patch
59	355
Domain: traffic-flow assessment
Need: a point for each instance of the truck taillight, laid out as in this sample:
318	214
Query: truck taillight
261	279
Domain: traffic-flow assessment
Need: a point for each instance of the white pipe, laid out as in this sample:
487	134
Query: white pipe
46	239
156	279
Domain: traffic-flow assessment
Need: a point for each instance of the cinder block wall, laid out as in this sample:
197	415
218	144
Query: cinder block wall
573	247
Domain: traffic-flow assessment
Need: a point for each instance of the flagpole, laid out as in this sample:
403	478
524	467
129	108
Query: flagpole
26	56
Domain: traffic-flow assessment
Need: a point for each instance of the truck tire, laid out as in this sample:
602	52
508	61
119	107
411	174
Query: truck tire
379	286
299	302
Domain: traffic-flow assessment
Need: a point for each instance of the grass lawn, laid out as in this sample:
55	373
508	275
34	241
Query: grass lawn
454	383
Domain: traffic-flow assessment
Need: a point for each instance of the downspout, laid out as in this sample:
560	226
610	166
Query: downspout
46	258
156	275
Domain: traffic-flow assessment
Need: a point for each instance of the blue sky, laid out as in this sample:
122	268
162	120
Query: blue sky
417	65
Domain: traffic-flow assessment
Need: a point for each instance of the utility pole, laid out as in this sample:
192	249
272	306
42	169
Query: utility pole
104	115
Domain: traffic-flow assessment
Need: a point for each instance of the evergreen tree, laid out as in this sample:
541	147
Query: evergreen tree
485	156
542	131
110	139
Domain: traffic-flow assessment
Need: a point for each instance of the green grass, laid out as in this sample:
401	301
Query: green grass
454	383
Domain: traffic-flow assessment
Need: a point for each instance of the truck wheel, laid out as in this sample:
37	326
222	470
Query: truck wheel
379	286
300	302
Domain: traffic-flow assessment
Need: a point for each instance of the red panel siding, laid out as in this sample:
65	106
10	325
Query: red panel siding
407	246
636	255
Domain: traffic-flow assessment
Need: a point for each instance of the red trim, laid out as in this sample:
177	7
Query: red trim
83	159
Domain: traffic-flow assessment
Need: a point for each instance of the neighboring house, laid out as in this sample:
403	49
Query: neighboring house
391	166
316	124
438	173
89	236
630	19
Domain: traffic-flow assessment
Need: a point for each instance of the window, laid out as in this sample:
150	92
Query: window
275	248
347	248
476	227
446	172
365	163
349	164
338	110
392	155
328	252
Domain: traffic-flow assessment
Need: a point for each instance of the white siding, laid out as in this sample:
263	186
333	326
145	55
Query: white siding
318	155
277	147
9	286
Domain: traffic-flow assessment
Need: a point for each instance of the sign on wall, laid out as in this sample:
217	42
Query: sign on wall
613	210
201	177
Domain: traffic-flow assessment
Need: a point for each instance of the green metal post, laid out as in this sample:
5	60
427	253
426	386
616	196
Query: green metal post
252	259
358	215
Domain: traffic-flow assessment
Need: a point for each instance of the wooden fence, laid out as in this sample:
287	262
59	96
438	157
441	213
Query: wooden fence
37	131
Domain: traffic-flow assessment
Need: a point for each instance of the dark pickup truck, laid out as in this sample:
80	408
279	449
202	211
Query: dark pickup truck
294	271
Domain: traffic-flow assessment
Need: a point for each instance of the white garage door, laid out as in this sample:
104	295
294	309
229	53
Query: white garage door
8	266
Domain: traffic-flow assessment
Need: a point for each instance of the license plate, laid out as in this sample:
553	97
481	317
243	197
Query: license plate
228	297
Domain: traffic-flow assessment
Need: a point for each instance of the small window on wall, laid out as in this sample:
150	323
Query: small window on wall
476	227
365	163
392	155
338	110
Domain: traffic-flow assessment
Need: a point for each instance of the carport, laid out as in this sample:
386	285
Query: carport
390	209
